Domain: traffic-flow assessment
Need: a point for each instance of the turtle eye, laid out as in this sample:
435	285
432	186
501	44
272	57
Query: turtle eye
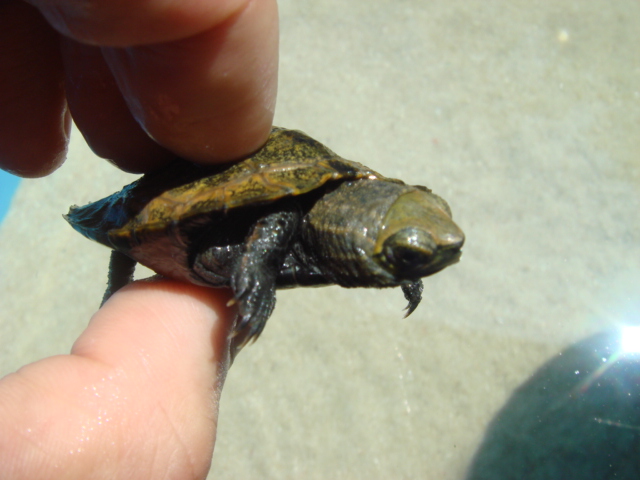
408	252
403	256
407	259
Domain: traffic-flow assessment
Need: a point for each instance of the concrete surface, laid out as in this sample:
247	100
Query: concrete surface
524	115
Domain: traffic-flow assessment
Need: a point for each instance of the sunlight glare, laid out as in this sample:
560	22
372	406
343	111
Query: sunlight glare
630	340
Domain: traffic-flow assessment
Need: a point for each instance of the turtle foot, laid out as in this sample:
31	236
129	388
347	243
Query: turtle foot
256	298
413	294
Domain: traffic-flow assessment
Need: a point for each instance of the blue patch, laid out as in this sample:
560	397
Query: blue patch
8	185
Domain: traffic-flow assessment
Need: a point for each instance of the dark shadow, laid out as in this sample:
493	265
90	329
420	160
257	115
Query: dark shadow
577	418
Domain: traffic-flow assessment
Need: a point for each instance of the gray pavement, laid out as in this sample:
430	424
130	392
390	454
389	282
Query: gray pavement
524	115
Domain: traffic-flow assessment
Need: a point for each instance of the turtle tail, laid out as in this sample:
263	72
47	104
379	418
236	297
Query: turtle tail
96	219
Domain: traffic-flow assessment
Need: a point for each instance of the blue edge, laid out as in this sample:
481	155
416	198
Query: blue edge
8	185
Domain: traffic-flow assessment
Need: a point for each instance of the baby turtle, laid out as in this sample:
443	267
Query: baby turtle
293	214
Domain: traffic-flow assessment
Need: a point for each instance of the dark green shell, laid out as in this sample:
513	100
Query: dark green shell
289	164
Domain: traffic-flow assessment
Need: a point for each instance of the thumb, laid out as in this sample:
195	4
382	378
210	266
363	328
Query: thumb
136	398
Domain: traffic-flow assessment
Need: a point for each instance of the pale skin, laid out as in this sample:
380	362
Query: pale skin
138	395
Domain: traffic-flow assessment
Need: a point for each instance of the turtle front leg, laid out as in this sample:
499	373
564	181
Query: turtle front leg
121	269
253	279
413	294
253	274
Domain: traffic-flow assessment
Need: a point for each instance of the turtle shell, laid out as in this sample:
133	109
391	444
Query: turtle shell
289	164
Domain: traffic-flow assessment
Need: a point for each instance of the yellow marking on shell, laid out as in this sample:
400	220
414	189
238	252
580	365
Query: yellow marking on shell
250	182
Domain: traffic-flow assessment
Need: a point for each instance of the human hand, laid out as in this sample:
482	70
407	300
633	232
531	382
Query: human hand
142	80
136	398
138	395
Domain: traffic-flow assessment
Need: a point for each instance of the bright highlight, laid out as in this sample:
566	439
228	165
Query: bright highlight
630	340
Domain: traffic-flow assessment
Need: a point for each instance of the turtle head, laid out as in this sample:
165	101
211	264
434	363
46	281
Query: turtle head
418	236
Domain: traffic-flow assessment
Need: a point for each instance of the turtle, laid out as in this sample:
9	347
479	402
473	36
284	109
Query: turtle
292	214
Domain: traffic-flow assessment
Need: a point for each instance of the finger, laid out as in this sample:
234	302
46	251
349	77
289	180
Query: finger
210	97
139	393
34	123
101	114
125	23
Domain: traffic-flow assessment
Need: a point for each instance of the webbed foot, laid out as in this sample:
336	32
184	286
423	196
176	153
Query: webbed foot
255	295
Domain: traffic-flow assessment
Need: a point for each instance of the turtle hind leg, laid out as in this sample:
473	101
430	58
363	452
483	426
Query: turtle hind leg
121	269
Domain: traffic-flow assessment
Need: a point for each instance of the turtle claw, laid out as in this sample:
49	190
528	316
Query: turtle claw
252	318
249	325
413	294
255	295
